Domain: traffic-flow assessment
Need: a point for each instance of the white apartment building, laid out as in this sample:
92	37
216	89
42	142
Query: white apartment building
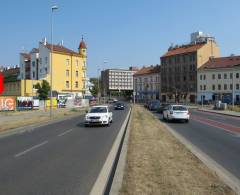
219	79
147	83
117	80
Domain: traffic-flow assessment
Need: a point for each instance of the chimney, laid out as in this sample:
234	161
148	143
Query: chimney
45	41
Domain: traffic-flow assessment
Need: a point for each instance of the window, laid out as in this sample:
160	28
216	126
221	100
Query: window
204	77
225	76
76	84
231	75
219	76
67	62
200	87
200	77
237	86
76	73
219	87
213	76
33	74
46	69
213	87
46	60
67	84
40	60
33	63
204	87
231	86
76	62
67	73
225	86
237	75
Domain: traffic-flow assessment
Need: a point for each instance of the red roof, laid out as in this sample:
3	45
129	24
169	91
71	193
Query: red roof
183	49
82	45
223	62
148	70
61	49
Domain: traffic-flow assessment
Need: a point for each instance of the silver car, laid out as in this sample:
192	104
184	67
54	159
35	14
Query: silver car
176	112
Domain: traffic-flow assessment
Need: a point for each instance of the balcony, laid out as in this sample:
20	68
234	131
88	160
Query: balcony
84	68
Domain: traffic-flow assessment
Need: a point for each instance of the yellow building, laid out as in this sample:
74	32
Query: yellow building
68	67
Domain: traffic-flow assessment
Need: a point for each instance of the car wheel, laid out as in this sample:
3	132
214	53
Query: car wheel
163	117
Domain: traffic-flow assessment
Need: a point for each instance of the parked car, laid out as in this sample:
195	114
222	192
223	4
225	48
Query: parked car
154	105
176	112
162	107
98	115
119	106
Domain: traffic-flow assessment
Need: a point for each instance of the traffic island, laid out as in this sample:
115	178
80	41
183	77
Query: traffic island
157	163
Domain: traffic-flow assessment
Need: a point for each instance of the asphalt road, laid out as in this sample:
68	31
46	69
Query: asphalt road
216	135
61	158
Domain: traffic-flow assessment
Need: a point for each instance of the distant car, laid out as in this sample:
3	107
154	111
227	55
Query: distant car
114	100
162	107
98	115
176	112
153	105
119	106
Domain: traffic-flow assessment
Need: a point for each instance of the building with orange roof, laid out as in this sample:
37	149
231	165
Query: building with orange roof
68	67
147	83
219	80
179	68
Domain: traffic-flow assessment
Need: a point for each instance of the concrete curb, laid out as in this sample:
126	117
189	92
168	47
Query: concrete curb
101	184
118	177
212	111
227	177
32	127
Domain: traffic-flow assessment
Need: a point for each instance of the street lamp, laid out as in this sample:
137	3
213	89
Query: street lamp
51	92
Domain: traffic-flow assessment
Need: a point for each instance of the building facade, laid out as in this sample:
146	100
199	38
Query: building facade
68	67
219	79
179	68
117	80
147	83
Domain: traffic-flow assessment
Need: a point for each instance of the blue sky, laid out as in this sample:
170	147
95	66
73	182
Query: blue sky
122	32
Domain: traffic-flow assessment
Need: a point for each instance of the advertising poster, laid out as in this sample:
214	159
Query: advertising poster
7	103
1	84
24	103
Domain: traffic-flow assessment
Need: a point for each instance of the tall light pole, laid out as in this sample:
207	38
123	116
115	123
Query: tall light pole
233	89
98	73
51	69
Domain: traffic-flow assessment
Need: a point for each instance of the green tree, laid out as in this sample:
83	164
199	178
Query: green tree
43	90
94	91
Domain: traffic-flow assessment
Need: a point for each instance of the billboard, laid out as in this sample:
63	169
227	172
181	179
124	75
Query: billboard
24	103
7	103
1	84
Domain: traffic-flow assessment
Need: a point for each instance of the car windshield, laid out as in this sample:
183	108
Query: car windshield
180	108
119	104
98	110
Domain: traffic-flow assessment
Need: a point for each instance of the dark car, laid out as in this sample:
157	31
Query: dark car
119	106
162	107
154	105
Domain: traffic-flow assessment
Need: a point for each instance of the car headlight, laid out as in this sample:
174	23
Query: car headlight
86	117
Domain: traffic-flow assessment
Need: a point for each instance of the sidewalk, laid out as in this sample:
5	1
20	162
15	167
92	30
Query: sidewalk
157	163
11	120
224	112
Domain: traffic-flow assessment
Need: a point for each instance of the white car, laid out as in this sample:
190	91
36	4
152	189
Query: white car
98	115
176	112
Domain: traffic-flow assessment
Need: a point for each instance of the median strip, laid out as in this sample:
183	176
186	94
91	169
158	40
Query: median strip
158	163
30	149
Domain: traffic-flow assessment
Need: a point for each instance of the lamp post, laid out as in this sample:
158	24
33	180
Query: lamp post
51	92
98	73
233	89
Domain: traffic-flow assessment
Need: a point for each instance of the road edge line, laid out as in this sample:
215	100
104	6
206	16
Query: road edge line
210	111
224	175
102	180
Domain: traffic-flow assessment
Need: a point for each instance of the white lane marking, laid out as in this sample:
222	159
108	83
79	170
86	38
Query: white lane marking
30	149
68	131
